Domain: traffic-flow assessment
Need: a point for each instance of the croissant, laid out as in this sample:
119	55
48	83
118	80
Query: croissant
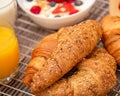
94	77
58	53
111	35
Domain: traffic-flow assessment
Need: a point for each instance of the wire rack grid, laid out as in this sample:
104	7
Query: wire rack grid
29	34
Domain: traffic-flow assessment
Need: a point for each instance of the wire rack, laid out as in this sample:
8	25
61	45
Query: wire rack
29	34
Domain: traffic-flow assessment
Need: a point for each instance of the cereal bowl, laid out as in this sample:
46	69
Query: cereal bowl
57	15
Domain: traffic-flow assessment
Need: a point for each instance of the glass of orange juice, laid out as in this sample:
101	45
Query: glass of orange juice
9	54
9	48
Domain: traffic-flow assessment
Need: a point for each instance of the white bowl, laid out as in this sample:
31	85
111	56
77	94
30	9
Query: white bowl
56	23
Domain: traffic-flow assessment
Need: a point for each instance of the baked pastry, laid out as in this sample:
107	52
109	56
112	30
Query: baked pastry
111	35
58	53
95	76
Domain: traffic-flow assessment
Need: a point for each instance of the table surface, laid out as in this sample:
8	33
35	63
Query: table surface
29	34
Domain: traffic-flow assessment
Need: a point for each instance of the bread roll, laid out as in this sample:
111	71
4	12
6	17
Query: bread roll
111	35
58	53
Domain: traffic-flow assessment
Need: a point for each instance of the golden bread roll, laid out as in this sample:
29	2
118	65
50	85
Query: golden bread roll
94	77
111	35
58	53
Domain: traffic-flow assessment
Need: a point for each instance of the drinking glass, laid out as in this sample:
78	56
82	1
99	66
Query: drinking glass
9	47
8	11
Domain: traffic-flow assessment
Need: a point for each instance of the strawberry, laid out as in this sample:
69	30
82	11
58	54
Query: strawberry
35	9
50	0
70	1
66	7
73	11
63	8
57	10
59	1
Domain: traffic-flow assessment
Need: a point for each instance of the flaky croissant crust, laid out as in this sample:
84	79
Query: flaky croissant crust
111	35
58	53
94	77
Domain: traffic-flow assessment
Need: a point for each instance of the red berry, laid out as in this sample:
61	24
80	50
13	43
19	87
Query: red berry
35	9
68	6
56	10
73	11
70	1
50	0
65	7
58	1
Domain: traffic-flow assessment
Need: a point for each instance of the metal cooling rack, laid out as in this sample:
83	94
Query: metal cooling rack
29	34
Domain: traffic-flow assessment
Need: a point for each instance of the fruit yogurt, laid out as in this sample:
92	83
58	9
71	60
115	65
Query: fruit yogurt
8	10
54	8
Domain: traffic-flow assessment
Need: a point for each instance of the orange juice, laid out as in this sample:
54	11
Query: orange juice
9	52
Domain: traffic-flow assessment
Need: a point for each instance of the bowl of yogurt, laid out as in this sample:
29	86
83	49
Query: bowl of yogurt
54	14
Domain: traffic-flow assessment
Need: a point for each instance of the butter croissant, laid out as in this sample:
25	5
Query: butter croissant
94	77
111	35
58	53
